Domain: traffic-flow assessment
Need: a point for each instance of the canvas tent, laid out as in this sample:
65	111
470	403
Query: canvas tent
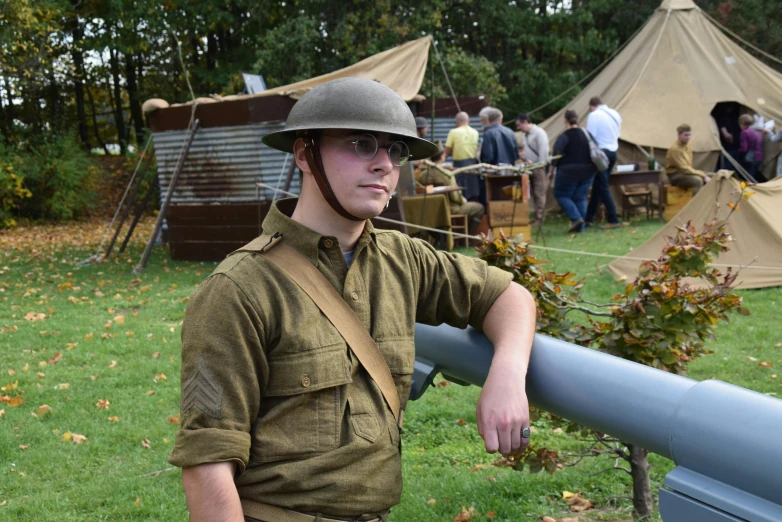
756	228
677	68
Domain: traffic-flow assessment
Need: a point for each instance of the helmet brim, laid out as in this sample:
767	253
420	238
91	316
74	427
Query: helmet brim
283	140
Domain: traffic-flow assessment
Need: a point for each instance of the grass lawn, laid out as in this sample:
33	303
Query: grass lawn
99	347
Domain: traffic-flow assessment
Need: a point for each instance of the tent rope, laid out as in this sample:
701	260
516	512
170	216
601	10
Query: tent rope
582	80
447	80
739	38
538	247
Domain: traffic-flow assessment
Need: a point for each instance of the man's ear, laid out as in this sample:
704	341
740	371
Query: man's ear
299	157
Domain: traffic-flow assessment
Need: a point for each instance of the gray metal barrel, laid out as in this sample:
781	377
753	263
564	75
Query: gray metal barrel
726	440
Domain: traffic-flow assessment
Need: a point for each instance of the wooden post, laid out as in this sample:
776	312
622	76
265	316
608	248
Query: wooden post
170	192
137	185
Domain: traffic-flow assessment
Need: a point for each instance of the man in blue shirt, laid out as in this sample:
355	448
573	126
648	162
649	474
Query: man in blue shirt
499	143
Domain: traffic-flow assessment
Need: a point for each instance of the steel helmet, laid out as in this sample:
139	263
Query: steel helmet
355	104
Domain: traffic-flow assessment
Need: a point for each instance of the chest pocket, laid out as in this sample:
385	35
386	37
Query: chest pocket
303	404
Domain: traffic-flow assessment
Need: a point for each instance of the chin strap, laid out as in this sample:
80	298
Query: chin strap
315	163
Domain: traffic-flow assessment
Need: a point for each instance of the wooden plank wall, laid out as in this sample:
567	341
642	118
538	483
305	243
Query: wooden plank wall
211	232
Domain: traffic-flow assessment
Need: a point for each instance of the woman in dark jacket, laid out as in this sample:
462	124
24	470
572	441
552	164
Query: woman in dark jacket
575	171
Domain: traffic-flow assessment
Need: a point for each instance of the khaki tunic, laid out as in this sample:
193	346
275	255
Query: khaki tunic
269	384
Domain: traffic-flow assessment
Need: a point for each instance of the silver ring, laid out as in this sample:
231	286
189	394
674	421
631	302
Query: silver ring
525	433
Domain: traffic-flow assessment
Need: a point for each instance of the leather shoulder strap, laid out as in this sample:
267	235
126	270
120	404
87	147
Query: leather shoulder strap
336	310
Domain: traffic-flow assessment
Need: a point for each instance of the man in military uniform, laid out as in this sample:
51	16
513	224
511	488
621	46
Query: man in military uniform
280	421
438	176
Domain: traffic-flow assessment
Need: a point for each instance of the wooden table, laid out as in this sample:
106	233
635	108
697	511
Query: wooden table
642	177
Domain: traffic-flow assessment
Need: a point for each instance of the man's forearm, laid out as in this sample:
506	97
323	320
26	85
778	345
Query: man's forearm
510	325
211	493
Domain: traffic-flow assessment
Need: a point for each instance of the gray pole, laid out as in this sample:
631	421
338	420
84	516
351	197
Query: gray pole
726	440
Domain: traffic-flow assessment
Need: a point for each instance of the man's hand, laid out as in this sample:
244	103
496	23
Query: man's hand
503	409
706	179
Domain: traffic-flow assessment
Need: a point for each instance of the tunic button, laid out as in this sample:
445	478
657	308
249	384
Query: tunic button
305	381
354	295
328	243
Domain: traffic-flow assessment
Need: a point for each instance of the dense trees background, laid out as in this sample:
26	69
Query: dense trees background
84	67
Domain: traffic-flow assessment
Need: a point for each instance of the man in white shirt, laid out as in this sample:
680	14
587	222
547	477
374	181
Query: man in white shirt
604	124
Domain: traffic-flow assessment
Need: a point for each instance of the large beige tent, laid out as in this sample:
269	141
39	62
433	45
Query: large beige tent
756	228
401	68
677	68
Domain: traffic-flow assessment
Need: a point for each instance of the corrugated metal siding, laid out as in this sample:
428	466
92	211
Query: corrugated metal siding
225	163
444	124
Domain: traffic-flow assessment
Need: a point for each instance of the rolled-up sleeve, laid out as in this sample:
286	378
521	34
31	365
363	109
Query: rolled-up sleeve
455	289
223	368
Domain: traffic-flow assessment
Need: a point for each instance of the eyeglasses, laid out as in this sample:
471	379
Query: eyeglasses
366	147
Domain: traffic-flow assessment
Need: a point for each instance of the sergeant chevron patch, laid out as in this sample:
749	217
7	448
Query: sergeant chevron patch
202	391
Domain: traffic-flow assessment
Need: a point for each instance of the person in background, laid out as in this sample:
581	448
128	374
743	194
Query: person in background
499	145
605	125
462	146
421	126
535	151
575	172
678	162
750	147
774	138
440	177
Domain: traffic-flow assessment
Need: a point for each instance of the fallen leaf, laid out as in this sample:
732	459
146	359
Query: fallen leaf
578	503
103	404
479	467
491	514
145	443
44	409
465	515
78	439
71	346
11	386
174	419
113	364
431	501
15	402
23	446
32	316
567	494
156	355
548	519
119	319
138	501
160	377
2	412
40	375
88	336
443	384
57	357
750	358
11	372
765	364
63	386
461	422
114	418
150	392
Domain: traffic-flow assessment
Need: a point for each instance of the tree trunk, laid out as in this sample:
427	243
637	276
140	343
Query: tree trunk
95	128
119	116
642	489
78	83
135	104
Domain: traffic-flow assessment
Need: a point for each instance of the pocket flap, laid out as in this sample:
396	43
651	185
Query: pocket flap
309	371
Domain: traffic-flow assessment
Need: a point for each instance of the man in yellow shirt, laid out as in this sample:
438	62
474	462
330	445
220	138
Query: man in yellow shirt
462	145
678	163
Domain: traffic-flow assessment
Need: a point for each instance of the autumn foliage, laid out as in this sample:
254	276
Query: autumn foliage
662	319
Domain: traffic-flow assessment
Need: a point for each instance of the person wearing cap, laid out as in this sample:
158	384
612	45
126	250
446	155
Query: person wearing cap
438	176
421	126
279	420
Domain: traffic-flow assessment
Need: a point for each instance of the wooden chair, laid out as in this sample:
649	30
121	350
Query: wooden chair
634	197
460	224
